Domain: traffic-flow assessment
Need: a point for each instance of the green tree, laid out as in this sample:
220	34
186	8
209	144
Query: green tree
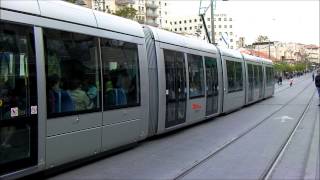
262	38
126	12
71	1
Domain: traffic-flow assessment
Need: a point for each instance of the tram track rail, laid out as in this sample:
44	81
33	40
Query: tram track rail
210	155
268	173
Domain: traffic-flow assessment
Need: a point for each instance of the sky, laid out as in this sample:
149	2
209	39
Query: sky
280	20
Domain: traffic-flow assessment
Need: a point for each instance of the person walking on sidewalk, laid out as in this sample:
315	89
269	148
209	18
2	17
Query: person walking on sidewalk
317	83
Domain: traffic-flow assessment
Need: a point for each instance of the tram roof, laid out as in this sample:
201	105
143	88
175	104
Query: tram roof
266	61
230	53
183	41
251	58
68	12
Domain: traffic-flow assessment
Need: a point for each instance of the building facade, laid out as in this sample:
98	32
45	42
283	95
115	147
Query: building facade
148	11
193	26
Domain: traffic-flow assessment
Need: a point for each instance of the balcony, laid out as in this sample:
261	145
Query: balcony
124	2
152	23
151	5
152	14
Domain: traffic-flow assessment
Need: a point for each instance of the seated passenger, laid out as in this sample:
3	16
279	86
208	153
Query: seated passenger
91	90
79	97
59	100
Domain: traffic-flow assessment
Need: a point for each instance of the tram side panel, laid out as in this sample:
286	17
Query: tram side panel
234	83
254	80
269	80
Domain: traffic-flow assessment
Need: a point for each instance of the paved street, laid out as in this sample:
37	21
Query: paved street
274	139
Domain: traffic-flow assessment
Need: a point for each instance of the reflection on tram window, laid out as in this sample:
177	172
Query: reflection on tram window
196	76
17	59
235	79
270	76
120	74
17	90
72	73
15	143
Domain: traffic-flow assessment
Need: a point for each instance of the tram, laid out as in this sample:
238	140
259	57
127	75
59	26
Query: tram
76	83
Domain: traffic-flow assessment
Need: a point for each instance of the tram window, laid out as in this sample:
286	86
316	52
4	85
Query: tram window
72	73
196	76
235	79
17	70
250	74
256	76
269	74
120	74
18	91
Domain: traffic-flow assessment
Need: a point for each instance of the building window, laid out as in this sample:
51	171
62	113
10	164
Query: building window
190	21
195	27
190	28
195	20
214	19
220	33
225	26
175	22
225	19
179	22
185	28
185	21
219	19
196	76
170	23
200	26
165	4
175	29
219	26
230	26
231	47
231	33
166	21
231	40
180	29
215	26
208	19
200	20
230	19
208	26
142	8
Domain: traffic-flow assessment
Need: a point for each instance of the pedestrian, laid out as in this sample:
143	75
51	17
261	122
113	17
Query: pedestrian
280	80
317	83
312	76
291	81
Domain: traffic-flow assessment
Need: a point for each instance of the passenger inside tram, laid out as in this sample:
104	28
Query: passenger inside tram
79	96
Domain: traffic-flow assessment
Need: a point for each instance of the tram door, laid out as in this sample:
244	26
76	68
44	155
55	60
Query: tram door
251	79
212	86
18	98
175	88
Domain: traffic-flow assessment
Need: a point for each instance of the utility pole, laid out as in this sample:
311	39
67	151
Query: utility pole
212	22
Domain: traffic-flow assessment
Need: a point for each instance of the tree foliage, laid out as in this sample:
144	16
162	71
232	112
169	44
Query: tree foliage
126	12
262	38
285	67
71	1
